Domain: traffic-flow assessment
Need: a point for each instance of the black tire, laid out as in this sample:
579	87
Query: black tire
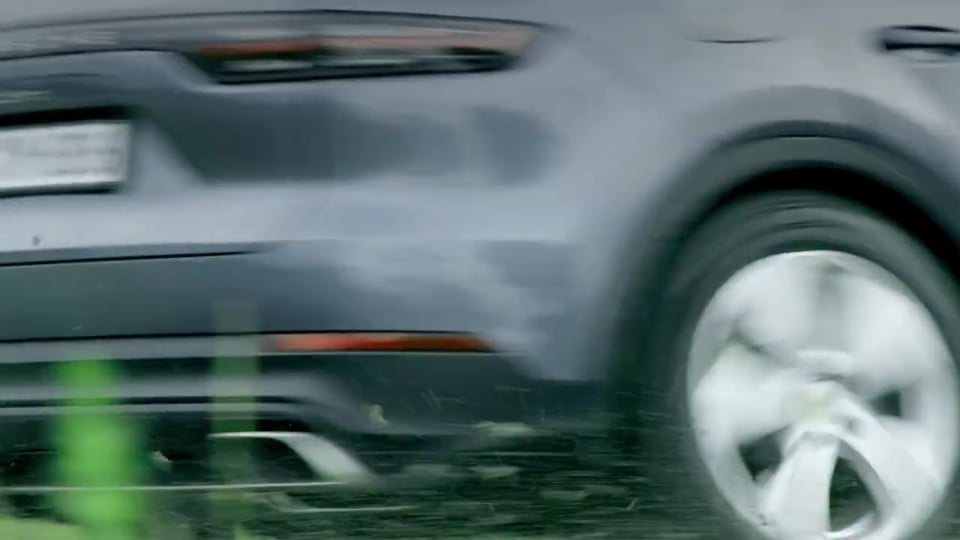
675	479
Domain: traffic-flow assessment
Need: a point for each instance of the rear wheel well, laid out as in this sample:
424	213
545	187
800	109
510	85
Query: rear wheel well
870	191
900	190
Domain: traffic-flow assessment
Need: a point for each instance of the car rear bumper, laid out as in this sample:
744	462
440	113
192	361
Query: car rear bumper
515	294
389	411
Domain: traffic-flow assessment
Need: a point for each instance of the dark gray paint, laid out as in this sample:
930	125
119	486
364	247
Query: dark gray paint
504	204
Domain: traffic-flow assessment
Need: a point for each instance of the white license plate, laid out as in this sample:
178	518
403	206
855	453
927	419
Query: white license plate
64	156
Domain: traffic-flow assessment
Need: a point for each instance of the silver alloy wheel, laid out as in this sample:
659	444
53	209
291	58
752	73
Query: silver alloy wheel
832	361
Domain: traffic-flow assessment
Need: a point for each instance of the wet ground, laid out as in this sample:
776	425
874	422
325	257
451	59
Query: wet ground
554	520
579	506
567	505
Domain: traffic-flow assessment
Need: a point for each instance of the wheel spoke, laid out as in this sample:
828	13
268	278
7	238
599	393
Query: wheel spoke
917	442
745	334
796	498
895	342
830	301
775	306
741	397
800	301
895	460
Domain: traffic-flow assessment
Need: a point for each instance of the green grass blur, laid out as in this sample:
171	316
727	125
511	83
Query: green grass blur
97	449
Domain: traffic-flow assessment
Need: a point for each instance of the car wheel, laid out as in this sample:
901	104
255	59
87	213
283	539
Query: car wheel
805	346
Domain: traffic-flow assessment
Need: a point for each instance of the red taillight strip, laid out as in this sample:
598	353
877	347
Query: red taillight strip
501	40
256	48
382	342
280	46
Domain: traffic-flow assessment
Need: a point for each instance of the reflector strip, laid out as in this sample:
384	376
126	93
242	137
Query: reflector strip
259	48
396	342
503	41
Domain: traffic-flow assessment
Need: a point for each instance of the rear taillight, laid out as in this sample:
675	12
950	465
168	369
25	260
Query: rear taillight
287	46
377	342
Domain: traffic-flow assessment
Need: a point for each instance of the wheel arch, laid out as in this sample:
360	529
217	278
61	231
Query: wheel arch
915	197
850	165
